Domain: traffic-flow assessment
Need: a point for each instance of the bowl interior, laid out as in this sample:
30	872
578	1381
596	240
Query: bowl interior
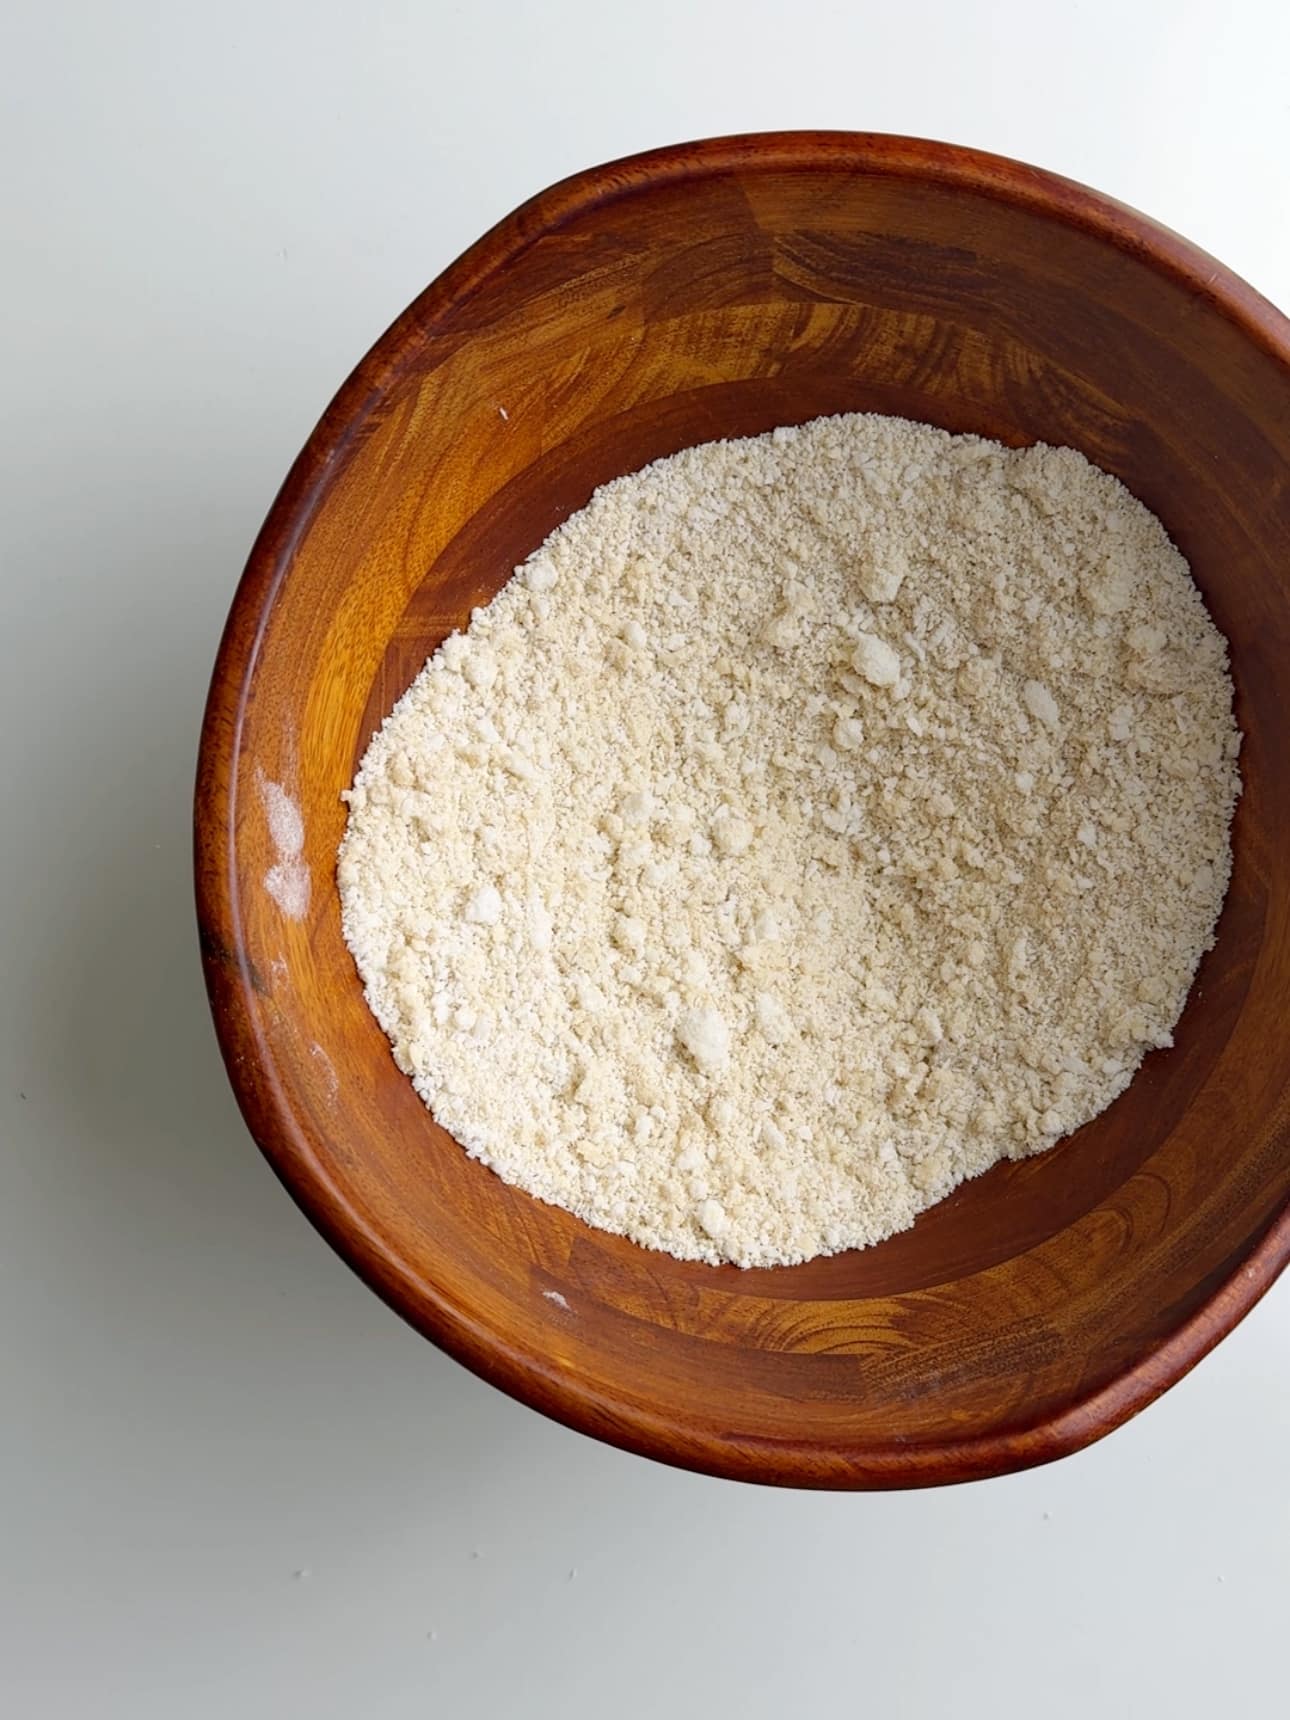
719	292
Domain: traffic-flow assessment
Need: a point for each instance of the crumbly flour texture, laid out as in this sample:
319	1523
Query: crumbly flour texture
812	821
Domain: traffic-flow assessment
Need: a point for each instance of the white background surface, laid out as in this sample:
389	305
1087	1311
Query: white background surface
231	1483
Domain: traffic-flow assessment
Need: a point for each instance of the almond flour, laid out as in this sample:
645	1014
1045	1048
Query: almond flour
811	822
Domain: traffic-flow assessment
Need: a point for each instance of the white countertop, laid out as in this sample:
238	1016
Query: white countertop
233	1483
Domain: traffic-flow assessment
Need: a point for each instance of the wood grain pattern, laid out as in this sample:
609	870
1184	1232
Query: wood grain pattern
710	290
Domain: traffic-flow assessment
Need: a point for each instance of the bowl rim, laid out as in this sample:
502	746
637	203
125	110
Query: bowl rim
688	1441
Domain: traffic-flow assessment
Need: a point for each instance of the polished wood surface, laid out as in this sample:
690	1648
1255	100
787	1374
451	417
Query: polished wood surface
712	290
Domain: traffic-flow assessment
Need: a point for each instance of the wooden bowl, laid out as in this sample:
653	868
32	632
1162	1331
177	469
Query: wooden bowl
716	290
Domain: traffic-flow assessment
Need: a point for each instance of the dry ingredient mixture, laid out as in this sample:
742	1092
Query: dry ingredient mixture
814	820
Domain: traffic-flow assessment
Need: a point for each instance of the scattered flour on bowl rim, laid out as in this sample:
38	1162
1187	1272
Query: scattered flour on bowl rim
814	820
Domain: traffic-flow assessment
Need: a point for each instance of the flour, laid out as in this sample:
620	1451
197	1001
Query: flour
288	880
813	821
